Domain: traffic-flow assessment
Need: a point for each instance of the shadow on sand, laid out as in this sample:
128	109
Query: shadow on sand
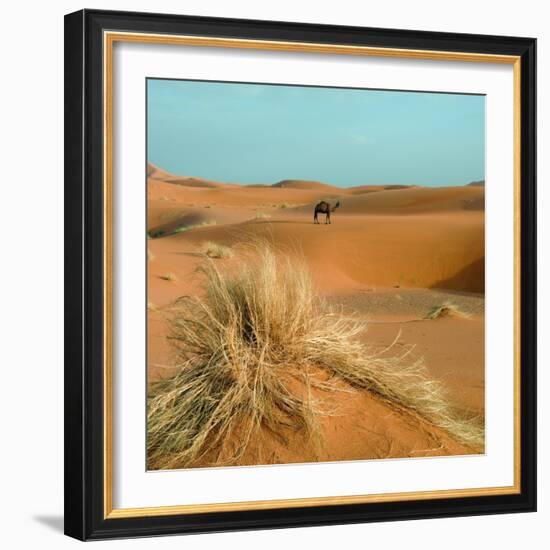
470	278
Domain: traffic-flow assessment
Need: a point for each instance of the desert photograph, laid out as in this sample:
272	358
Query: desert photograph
315	274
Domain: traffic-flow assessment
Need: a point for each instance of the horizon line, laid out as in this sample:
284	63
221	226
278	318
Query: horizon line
172	174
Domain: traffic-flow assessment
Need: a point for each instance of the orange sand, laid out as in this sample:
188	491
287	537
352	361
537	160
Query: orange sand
386	244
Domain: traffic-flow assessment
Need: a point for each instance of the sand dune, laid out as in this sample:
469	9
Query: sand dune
156	173
389	251
305	184
362	427
234	196
413	200
413	237
198	182
453	348
386	244
153	171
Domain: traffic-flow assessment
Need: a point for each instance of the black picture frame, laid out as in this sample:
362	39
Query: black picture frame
84	281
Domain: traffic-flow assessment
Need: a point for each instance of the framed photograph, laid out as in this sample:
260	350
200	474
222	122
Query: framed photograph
300	274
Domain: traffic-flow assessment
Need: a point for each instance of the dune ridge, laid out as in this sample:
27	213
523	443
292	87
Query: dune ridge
385	243
282	351
156	173
306	184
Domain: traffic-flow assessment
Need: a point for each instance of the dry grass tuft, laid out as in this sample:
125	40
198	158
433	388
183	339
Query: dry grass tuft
184	228
169	277
261	215
253	335
447	309
158	233
216	250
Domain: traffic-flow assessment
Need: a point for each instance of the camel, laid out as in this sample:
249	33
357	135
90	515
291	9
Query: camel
324	208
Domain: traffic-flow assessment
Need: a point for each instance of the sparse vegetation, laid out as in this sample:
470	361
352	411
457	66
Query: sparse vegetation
151	306
150	255
157	233
261	215
169	277
286	205
447	309
183	228
216	250
253	333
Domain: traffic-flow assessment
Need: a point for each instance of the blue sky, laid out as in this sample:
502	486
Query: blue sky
258	133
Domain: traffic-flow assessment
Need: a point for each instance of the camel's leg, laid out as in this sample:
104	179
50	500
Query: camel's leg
327	219
315	220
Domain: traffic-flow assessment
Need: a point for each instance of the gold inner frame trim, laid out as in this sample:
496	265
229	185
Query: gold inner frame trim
109	39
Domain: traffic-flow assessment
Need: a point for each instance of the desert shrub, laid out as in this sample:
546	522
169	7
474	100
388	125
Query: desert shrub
239	347
155	234
216	250
261	215
169	277
447	309
183	228
158	233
